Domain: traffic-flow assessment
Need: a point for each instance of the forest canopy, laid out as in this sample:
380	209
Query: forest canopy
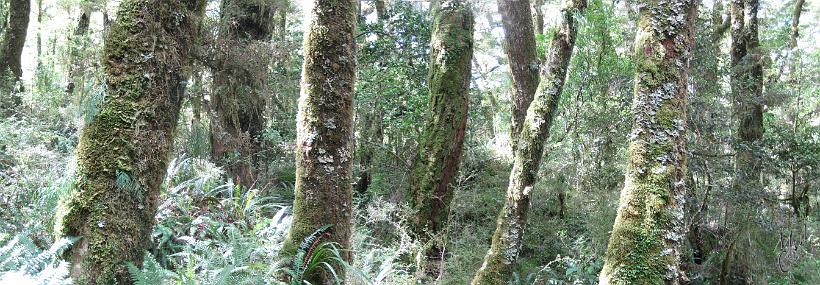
483	142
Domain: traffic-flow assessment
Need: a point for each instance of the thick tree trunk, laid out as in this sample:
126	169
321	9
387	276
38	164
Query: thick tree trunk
238	103
123	152
512	220
11	47
440	144
520	49
644	246
324	129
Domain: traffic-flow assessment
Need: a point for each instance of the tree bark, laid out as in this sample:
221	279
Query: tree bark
123	152
644	246
512	220
520	49
441	142
324	130
238	103
11	47
76	64
538	17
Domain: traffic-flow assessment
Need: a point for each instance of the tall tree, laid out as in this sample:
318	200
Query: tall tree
512	219
440	144
11	51
324	129
238	102
11	46
746	81
644	246
123	152
520	49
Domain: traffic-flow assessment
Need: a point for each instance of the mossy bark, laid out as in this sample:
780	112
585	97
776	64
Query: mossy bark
324	140
512	219
520	48
238	102
76	65
123	152
441	142
644	246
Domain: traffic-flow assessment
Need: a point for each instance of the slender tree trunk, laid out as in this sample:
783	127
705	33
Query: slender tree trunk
747	92
372	124
538	20
238	102
123	152
324	129
520	49
11	47
512	220
440	144
76	64
644	246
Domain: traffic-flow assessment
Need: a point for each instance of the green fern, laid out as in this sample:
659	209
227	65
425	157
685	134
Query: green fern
22	261
151	273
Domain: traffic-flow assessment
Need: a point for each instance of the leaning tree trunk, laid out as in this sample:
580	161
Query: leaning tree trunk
325	129
11	50
123	152
440	144
238	102
512	220
520	48
644	246
747	91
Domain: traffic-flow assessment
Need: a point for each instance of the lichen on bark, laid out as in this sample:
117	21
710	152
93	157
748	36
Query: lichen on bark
435	166
512	219
323	191
644	246
124	151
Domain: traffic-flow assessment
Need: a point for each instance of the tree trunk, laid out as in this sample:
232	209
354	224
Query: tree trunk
512	220
238	103
123	152
76	64
644	246
11	47
11	50
538	17
440	144
324	130
520	49
747	92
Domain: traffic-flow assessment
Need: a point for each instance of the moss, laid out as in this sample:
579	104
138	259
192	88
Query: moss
123	152
323	192
645	240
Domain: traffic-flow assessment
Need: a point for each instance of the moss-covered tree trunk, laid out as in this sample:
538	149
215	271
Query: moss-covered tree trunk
644	246
440	144
324	129
538	16
238	102
76	64
512	219
123	152
11	51
746	80
520	48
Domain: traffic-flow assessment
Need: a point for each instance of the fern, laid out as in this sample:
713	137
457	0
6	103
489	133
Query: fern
306	258
151	273
21	261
